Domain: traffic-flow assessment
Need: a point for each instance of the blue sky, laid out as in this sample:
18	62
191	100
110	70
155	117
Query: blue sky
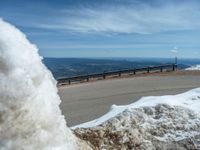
108	28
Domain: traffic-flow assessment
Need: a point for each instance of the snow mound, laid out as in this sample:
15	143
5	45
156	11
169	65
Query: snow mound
166	122
159	127
30	117
196	67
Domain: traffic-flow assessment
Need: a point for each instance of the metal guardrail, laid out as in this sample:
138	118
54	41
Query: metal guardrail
88	77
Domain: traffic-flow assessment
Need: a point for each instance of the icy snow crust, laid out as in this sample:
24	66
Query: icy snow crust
162	127
30	117
197	67
165	122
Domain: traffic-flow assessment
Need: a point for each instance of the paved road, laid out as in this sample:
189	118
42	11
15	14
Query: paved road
85	102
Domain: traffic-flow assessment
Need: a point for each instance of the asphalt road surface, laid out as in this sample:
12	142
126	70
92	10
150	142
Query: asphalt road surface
88	101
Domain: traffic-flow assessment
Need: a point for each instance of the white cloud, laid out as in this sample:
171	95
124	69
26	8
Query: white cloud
174	50
144	19
98	46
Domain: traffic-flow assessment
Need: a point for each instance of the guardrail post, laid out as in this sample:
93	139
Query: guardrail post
104	76
134	72
87	78
173	67
148	69
120	74
161	68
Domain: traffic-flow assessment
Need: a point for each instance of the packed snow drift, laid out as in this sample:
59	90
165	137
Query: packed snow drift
30	117
165	122
196	67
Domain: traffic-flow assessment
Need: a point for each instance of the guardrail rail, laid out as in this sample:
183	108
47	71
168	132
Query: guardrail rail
119	73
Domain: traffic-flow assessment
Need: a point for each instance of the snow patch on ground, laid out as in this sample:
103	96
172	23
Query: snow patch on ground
190	100
196	67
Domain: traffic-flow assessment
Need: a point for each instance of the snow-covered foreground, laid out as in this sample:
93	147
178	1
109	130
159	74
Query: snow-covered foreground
196	67
30	117
151	123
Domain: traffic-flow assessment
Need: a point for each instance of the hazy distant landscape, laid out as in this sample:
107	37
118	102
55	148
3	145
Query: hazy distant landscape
67	67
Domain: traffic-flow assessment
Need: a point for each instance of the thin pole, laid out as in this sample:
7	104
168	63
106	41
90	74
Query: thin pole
176	60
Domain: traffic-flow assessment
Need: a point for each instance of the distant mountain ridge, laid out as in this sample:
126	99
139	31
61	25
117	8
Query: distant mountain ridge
67	67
